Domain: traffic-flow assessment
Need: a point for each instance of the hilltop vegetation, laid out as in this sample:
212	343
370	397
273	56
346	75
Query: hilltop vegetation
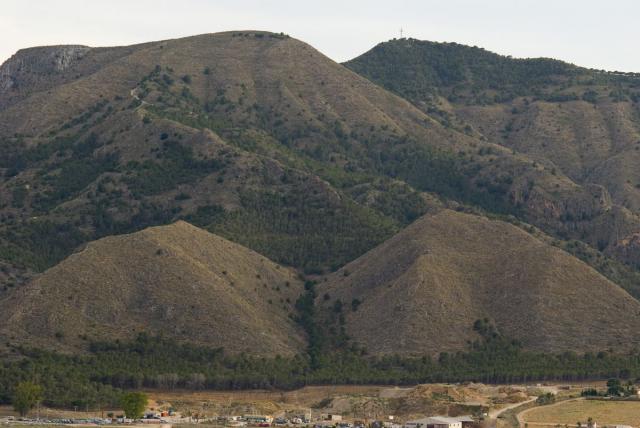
421	70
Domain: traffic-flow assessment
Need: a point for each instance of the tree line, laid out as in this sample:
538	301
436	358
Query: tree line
99	378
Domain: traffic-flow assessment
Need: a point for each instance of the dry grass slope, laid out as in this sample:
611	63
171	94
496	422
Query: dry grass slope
176	280
422	290
572	412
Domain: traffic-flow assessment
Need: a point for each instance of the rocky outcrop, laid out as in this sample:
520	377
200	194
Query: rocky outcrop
28	66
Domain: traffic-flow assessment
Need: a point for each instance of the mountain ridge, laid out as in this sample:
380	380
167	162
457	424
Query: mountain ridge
261	139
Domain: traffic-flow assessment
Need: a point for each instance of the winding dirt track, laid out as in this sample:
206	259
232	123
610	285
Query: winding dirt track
493	414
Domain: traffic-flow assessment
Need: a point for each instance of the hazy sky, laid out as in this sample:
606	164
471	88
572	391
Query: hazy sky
600	34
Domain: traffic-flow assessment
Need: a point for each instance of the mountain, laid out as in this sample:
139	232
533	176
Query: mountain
195	129
424	290
262	140
174	281
579	123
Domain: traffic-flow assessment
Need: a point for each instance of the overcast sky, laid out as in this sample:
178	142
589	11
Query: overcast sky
599	34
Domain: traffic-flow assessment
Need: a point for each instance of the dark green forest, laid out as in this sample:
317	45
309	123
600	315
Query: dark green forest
98	378
418	70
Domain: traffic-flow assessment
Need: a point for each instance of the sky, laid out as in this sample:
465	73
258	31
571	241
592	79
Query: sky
597	34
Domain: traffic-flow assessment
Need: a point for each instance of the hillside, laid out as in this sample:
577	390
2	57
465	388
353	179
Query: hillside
421	69
124	142
580	123
422	291
175	281
262	140
256	137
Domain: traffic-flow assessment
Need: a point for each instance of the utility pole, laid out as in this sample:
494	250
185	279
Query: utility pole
401	32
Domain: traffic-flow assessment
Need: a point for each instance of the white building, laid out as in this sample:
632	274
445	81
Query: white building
434	422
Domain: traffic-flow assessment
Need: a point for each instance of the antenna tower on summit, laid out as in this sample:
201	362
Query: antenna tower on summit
401	32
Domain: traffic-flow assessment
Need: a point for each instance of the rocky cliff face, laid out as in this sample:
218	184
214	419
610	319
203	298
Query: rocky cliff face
39	61
31	67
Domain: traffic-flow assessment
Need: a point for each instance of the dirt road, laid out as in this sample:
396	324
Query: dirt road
493	414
